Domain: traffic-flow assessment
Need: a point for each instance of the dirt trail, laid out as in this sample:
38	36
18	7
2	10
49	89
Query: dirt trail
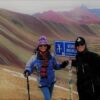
13	87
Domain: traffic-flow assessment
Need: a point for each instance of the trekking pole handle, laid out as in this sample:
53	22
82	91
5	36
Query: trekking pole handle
27	74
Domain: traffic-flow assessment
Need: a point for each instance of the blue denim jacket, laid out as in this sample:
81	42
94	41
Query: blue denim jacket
52	65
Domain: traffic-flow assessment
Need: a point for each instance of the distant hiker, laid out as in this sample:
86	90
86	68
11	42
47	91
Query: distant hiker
88	71
45	64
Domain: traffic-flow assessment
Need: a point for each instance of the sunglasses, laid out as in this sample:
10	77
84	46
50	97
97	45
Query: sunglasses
42	45
79	44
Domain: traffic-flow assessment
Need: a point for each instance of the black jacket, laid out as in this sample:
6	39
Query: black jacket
88	71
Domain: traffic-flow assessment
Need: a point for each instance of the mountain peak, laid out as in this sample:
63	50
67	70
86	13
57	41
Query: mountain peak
83	7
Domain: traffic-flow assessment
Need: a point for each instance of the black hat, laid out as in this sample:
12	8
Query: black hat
80	41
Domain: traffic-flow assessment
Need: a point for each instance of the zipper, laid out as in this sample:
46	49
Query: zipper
83	69
92	86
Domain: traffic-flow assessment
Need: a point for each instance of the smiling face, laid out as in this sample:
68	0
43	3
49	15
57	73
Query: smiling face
80	48
42	48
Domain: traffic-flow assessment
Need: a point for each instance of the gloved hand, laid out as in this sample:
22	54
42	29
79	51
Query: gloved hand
64	64
26	73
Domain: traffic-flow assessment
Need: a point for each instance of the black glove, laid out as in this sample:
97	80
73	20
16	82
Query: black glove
26	73
64	64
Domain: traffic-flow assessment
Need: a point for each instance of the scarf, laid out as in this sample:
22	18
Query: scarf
45	56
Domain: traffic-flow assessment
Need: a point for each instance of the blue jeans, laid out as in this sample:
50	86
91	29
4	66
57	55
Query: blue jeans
47	92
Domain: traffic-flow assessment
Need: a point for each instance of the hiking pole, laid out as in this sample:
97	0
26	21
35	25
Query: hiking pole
28	87
70	81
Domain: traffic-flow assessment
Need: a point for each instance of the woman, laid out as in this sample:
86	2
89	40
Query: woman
45	64
88	71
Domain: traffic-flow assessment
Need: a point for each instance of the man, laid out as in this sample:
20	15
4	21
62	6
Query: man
88	71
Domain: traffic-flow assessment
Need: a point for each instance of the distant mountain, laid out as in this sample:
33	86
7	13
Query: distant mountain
79	15
84	15
56	17
96	12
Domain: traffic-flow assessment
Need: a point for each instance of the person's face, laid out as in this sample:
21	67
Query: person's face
42	48
80	48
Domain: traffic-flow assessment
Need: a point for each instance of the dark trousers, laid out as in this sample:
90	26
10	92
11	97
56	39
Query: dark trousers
83	95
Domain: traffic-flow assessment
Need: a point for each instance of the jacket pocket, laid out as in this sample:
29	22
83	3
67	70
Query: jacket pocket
88	87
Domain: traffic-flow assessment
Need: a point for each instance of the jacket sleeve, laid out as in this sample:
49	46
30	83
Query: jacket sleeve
73	63
30	64
64	64
58	66
96	61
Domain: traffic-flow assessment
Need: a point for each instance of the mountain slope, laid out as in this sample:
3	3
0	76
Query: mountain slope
19	33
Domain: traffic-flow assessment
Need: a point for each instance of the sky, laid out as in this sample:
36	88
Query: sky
35	6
